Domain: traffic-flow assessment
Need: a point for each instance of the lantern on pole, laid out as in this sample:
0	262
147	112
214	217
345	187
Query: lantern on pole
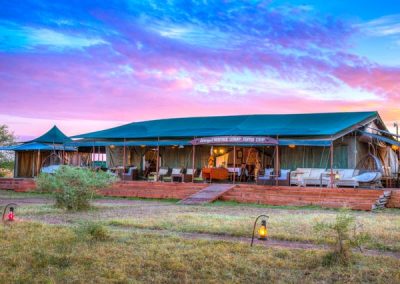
9	213
262	230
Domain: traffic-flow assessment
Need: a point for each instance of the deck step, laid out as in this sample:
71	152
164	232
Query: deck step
207	195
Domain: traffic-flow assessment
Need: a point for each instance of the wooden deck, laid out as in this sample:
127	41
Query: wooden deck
358	199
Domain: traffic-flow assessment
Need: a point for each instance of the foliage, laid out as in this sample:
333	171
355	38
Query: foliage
344	232
6	158
73	187
92	231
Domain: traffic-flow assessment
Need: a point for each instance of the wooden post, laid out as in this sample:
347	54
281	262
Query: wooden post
124	153
33	163
92	155
234	163
38	163
158	158
331	152
16	164
276	164
193	158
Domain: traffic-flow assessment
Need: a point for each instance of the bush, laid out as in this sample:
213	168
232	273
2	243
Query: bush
345	236
73	187
93	232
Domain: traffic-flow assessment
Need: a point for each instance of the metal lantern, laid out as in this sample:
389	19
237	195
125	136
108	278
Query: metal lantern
9	213
262	230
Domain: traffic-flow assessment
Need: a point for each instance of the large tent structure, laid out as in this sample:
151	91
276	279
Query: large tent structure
323	140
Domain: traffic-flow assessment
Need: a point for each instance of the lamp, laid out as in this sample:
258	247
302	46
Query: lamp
262	230
395	147
292	146
112	146
221	151
9	212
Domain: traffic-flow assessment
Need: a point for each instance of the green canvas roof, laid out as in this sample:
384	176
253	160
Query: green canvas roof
54	135
282	125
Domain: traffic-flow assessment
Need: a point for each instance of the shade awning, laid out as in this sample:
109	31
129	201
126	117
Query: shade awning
34	146
381	138
151	143
300	142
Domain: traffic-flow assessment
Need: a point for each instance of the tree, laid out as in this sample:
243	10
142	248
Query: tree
6	158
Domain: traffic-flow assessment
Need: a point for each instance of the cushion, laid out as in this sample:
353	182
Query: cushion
163	172
316	173
176	171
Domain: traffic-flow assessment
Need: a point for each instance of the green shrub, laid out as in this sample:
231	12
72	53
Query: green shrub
73	187
92	231
344	233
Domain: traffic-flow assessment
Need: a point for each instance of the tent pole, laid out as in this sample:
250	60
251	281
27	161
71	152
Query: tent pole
16	164
193	157
158	158
331	150
234	163
33	164
276	164
124	152
38	163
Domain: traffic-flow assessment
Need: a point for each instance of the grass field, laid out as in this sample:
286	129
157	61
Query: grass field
52	245
33	252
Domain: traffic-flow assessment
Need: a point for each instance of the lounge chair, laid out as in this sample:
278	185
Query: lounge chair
266	178
131	174
176	173
163	171
369	179
200	178
282	180
189	175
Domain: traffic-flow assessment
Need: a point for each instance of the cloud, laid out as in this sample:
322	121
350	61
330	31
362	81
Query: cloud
21	37
384	26
141	59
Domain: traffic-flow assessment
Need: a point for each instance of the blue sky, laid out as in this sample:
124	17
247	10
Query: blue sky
87	65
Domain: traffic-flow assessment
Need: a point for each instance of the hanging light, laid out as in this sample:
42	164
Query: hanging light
292	146
112	146
395	147
262	230
9	212
215	151
221	150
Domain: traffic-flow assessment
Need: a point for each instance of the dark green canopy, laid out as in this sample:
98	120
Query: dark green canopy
282	125
54	136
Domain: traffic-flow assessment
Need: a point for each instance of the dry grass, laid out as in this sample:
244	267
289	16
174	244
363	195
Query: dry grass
47	254
384	229
293	224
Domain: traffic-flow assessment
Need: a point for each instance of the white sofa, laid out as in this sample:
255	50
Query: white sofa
346	178
297	176
321	177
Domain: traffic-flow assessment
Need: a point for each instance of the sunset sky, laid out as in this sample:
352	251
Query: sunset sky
89	65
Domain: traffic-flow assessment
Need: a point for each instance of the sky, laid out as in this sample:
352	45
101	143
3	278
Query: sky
90	65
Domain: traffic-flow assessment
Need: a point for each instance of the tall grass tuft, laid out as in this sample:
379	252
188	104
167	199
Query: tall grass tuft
344	232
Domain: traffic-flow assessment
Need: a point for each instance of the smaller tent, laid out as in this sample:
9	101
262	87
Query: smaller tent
46	150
